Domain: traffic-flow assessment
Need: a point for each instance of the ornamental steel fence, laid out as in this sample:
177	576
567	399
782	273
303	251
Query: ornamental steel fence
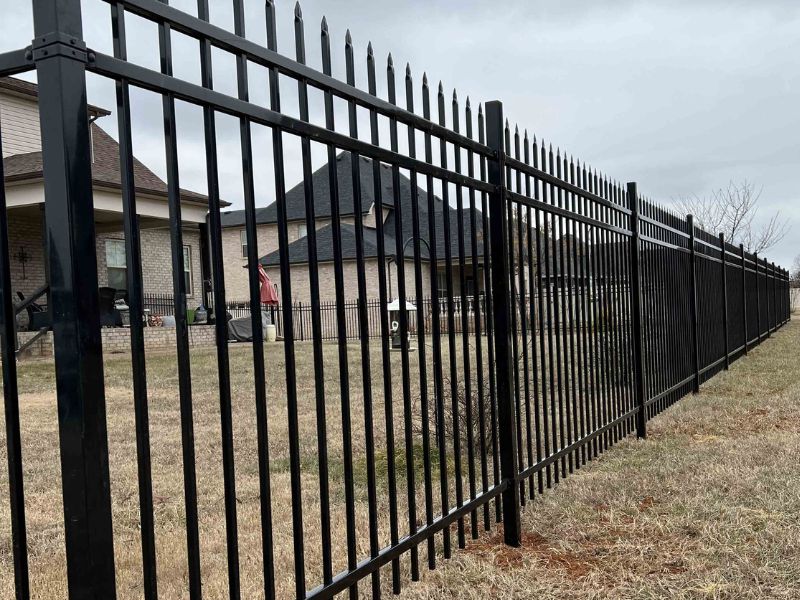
410	452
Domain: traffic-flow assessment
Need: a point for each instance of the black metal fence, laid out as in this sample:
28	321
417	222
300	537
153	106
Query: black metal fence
479	420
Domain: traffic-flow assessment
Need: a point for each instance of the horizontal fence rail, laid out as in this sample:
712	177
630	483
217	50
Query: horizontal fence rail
485	314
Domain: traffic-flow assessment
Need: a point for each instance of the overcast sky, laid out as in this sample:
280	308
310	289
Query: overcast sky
681	96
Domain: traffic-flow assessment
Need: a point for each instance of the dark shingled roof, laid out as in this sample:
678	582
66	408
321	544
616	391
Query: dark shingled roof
298	250
105	169
296	197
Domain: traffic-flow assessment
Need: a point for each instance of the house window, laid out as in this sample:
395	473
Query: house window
187	269
441	277
116	265
470	283
243	242
302	231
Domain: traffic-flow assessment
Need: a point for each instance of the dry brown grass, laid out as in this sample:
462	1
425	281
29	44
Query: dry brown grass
42	472
707	507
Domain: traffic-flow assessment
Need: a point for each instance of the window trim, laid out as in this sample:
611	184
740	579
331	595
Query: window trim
109	242
188	268
243	242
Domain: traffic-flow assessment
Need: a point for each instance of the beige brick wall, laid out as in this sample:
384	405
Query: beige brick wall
236	278
301	287
118	340
157	260
25	232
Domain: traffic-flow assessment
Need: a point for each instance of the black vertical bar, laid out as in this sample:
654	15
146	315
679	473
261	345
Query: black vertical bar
436	333
725	300
316	323
181	322
569	308
744	296
523	330
758	300
693	302
502	324
578	250
565	417
289	337
363	319
411	492
542	257
533	230
487	282
19	536
477	310
468	409
66	155
341	316
259	378
134	282
514	313
451	325
383	327
421	346
636	304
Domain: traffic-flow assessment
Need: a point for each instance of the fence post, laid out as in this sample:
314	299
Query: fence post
693	303
502	323
636	298
60	56
725	299
744	296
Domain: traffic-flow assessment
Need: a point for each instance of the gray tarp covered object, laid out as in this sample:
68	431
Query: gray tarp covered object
241	330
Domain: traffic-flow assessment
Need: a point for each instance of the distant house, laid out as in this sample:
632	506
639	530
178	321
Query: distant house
235	243
22	164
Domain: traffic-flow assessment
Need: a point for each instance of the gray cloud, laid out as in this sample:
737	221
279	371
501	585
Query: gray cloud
680	95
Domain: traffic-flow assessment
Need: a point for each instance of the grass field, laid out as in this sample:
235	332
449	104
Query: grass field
707	507
43	500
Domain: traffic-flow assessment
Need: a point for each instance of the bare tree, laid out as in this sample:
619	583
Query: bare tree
733	211
794	275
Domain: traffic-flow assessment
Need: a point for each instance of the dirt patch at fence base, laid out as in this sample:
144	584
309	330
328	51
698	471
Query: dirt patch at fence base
534	547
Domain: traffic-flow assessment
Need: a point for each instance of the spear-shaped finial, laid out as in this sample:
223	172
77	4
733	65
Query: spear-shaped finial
390	62
455	97
370	53
441	88
298	12
425	79
516	129
324	26
469	107
348	39
408	70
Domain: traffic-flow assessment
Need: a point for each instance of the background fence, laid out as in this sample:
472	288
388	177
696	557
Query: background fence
377	460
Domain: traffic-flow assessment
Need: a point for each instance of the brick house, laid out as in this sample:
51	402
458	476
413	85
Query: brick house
235	243
22	163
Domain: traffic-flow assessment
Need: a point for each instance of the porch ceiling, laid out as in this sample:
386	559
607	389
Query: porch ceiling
108	205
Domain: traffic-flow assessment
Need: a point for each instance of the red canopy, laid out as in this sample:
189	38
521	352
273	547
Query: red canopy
268	293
